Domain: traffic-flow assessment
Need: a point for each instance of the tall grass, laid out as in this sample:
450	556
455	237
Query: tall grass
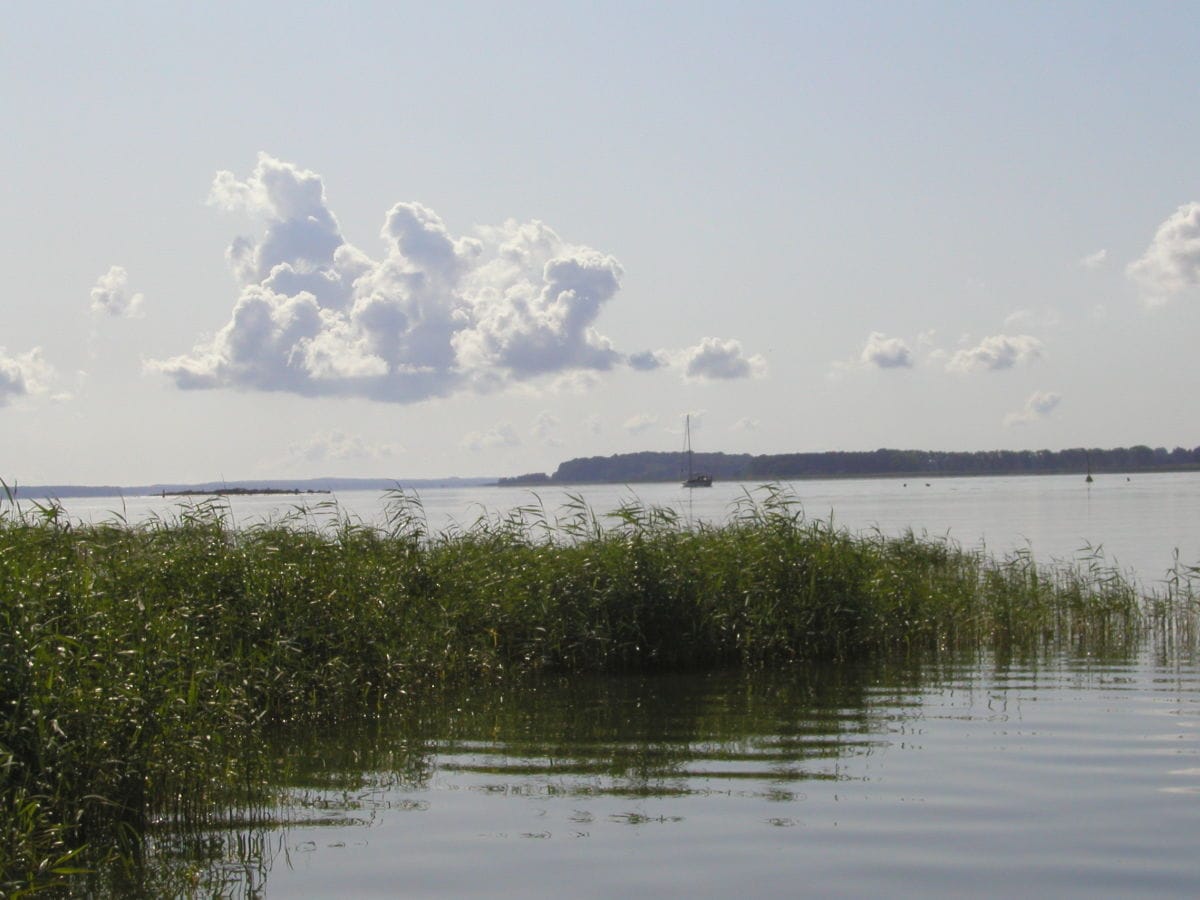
141	665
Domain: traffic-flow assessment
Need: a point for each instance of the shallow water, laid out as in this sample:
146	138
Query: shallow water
1077	777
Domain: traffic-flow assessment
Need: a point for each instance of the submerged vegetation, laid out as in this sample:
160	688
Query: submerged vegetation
143	668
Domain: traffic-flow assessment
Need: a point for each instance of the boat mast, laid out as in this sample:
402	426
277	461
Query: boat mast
687	443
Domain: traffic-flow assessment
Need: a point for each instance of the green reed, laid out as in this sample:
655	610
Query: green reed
140	666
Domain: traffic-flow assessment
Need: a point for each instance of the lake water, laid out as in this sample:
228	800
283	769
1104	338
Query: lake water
1138	521
1070	778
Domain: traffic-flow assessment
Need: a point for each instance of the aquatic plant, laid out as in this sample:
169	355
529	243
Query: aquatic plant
141	666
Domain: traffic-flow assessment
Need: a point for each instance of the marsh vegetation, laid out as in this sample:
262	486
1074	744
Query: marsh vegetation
145	670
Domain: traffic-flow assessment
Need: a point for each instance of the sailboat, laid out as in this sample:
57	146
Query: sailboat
694	480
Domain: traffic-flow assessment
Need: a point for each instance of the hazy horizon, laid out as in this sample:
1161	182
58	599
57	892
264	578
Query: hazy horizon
476	478
279	241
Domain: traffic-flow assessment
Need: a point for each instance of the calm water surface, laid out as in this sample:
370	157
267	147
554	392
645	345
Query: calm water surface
1137	521
1074	778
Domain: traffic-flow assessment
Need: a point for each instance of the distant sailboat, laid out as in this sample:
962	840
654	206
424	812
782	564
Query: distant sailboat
693	480
1089	478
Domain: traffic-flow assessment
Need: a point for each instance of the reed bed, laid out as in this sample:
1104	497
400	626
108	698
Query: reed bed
141	666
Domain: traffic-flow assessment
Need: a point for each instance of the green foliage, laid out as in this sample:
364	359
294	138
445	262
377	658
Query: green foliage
140	667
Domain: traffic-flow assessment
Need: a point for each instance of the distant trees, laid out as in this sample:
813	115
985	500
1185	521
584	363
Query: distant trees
647	466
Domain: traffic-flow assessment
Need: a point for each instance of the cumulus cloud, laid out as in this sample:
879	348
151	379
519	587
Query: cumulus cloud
714	358
1039	405
1171	264
879	352
437	314
1094	260
496	437
996	353
886	353
746	423
337	446
110	295
639	423
22	375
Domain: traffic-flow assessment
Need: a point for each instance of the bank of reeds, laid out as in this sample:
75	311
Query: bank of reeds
140	665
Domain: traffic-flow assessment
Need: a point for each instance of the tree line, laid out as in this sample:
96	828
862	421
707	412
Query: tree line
622	468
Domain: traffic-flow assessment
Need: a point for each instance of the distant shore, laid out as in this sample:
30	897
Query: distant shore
662	467
637	468
238	488
241	492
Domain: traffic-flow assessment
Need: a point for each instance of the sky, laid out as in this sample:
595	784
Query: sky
271	240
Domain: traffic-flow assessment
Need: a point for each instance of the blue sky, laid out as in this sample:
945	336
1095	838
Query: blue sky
252	240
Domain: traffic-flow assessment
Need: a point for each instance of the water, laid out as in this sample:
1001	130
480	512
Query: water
1136	521
1067	776
1072	778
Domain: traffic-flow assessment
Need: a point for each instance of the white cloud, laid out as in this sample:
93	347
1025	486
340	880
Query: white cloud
530	316
746	424
714	358
436	315
337	446
110	294
593	425
996	353
22	375
1094	260
1039	405
1171	264
639	423
496	437
879	351
886	353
